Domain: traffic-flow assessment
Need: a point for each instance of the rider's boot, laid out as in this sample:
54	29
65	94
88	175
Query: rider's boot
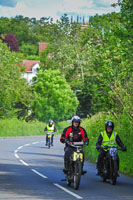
83	172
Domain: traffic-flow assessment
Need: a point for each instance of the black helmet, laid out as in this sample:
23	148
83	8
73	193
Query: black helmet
110	124
76	119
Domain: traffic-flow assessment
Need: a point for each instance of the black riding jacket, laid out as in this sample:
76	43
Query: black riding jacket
74	134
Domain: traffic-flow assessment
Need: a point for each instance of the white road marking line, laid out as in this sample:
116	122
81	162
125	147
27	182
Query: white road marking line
35	142
16	151
24	163
26	145
20	147
43	176
38	173
16	155
69	192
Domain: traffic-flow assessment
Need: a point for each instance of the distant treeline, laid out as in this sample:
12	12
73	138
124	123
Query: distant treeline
94	64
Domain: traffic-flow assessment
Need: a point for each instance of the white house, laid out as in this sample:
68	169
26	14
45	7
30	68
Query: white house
31	69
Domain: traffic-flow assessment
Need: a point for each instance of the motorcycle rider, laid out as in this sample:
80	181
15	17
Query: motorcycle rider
107	138
73	133
50	128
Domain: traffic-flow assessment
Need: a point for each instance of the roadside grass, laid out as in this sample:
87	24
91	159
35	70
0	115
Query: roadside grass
14	127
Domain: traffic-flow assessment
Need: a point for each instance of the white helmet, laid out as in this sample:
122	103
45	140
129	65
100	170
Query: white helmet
76	119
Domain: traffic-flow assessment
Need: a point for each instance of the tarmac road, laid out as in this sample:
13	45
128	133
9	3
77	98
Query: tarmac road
29	170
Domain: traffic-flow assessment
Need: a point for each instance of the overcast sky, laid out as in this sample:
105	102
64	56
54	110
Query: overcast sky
55	8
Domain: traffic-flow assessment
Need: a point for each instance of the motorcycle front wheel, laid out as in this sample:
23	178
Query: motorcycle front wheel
104	172
77	175
113	177
48	143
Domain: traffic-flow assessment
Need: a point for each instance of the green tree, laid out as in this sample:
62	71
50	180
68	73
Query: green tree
28	49
109	57
54	98
13	88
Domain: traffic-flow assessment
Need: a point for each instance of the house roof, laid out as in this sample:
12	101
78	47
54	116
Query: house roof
42	46
29	64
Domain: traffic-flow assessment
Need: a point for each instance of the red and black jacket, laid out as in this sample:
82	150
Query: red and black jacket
74	134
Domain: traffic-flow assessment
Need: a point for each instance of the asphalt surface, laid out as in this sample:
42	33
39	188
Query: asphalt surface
29	170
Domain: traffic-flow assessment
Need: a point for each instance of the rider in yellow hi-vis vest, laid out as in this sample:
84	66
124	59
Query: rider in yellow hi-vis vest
107	138
50	128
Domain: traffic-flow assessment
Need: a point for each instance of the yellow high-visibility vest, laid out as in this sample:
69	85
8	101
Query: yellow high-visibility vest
109	141
50	128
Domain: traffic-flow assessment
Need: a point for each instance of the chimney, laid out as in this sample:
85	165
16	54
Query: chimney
42	46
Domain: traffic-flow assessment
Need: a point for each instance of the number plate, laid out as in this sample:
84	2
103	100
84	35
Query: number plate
77	156
49	136
112	151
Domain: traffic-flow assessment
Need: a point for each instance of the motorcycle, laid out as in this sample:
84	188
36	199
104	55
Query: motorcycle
75	167
49	135
110	165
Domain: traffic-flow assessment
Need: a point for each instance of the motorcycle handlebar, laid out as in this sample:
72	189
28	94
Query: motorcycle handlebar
75	144
106	147
49	132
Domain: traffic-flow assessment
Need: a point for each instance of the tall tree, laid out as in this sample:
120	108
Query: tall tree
13	88
54	98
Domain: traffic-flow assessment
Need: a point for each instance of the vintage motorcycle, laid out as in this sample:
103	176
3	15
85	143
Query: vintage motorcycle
110	163
75	166
49	135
